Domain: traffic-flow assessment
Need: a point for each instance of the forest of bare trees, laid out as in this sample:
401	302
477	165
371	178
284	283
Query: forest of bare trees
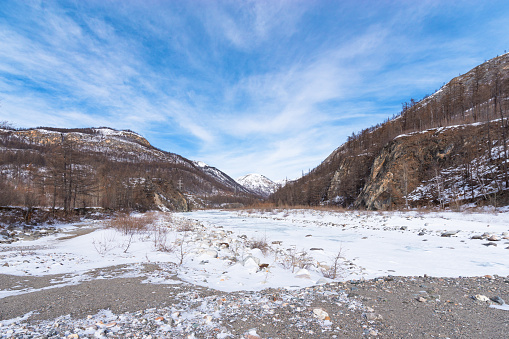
479	96
61	174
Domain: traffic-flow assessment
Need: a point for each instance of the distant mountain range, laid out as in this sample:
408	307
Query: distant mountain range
83	167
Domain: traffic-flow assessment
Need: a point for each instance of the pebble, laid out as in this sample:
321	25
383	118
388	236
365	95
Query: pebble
321	314
449	233
481	297
303	274
498	300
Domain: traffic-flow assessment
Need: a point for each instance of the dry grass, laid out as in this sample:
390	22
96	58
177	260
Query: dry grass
293	259
184	226
261	244
336	269
160	238
129	224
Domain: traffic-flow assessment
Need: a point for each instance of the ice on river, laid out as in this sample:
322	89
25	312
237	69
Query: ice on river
382	243
217	251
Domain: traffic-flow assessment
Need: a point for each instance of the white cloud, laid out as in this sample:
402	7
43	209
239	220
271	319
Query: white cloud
252	86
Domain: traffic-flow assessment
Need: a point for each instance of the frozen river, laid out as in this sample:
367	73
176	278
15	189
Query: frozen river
390	243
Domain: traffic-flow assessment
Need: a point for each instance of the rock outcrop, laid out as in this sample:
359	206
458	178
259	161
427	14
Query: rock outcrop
438	160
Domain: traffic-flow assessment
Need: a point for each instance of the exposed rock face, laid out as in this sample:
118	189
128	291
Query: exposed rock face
447	148
434	159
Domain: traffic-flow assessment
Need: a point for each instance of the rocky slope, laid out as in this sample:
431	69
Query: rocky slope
102	167
439	166
449	148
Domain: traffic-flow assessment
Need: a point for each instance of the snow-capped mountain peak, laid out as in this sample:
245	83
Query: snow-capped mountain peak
258	183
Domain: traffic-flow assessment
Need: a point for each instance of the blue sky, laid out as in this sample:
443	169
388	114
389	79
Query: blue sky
270	87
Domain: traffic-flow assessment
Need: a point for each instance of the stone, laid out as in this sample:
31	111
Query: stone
498	300
477	237
421	299
251	261
303	274
494	238
321	314
321	281
211	253
449	233
481	297
316	249
370	316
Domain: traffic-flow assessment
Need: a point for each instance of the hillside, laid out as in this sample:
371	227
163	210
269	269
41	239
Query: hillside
103	167
448	148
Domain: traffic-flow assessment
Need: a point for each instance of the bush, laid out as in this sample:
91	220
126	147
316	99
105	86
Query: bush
129	224
261	244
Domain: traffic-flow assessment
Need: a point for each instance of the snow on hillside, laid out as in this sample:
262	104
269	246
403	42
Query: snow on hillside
219	175
258	183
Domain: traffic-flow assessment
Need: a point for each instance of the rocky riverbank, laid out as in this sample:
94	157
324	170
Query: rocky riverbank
389	307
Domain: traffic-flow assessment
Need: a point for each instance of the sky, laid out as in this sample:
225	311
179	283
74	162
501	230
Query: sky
269	87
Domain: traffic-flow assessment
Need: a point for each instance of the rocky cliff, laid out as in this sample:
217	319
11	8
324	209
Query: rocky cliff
446	149
442	165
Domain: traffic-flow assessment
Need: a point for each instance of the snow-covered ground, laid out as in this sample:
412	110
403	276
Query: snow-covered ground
214	250
382	243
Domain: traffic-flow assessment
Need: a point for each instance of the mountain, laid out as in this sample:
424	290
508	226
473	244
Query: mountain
258	183
447	149
71	168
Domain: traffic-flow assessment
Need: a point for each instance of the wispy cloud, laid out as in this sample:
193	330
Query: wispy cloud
248	86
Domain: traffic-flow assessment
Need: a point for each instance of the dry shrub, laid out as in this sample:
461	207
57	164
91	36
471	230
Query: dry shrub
128	224
185	226
293	259
261	244
160	237
336	269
